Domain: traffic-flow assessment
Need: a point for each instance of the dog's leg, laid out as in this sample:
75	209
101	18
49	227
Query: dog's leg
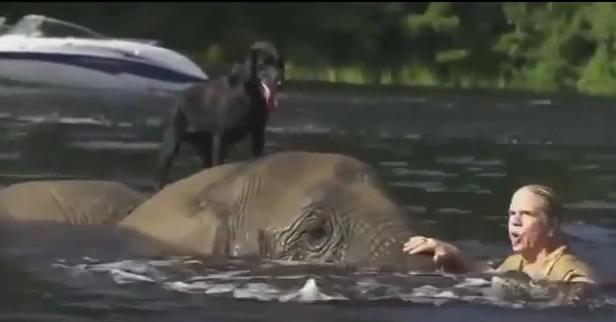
217	153
203	144
171	143
258	140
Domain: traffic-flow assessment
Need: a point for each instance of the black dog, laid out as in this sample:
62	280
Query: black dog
215	114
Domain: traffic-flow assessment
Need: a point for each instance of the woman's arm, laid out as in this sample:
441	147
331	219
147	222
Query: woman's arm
446	255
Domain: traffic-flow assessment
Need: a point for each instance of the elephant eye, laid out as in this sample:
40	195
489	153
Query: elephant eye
314	227
316	232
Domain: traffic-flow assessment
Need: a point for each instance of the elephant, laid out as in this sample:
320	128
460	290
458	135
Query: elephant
63	216
75	202
321	208
302	206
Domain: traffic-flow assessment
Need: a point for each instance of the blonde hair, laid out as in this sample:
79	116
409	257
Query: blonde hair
553	210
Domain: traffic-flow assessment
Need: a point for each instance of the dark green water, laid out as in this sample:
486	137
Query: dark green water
452	159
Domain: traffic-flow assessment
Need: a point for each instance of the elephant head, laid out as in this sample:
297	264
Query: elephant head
342	223
314	207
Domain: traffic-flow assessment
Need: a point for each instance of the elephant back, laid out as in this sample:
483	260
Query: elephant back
69	201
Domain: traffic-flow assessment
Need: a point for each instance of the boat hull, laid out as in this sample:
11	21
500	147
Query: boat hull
81	71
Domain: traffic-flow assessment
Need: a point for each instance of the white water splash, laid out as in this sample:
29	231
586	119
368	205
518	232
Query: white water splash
309	293
124	277
194	287
220	288
257	291
425	288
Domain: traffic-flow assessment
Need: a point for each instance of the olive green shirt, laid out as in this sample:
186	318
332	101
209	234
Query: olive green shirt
560	266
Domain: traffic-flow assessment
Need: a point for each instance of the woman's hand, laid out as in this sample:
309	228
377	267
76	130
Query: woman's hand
444	254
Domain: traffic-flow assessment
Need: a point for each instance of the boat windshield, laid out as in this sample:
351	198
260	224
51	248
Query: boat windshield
3	26
41	26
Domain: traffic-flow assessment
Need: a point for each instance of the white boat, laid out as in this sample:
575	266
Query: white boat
3	25
42	50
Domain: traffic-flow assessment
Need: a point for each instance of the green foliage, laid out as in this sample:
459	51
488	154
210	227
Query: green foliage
599	75
439	17
541	46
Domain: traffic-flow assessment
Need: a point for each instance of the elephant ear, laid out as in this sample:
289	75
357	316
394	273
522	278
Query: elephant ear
220	195
350	171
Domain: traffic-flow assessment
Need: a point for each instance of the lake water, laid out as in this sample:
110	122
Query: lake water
450	158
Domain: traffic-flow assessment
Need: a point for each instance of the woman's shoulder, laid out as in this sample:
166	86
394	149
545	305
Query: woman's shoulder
571	268
512	263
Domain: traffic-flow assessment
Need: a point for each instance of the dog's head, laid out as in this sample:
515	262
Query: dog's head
266	64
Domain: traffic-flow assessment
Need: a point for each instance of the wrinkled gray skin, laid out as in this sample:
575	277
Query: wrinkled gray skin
292	206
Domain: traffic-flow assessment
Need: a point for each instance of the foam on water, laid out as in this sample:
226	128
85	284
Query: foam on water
37	118
453	211
544	102
491	174
309	293
393	164
302	129
115	145
473	188
456	160
590	232
422	173
600	157
412	136
256	291
124	277
220	288
427	288
584	167
37	176
10	156
84	121
416	208
190	287
591	204
153	122
428	186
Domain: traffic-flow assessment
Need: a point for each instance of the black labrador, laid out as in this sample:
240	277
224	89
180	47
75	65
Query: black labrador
217	113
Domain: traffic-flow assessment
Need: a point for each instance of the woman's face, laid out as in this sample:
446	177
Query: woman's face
528	232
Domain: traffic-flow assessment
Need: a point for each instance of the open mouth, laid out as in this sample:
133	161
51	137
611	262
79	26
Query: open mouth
269	93
514	236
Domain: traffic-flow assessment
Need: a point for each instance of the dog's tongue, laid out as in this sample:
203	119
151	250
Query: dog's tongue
270	96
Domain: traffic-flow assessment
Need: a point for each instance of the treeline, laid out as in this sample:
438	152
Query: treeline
542	46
